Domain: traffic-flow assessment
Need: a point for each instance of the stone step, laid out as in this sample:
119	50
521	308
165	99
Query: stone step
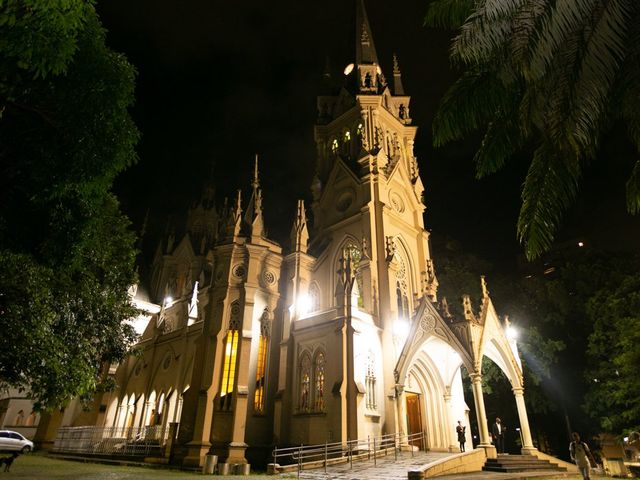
520	468
518	463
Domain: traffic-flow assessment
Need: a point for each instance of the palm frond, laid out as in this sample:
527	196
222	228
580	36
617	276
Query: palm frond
501	141
485	32
449	14
604	53
470	104
565	18
525	24
633	190
549	188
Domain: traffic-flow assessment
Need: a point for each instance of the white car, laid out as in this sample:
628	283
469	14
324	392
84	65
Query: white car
14	442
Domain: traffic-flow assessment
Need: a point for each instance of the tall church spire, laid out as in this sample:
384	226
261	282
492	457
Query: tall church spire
365	49
299	232
253	215
370	78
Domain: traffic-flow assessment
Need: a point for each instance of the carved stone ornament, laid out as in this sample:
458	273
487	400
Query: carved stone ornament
427	322
268	278
239	271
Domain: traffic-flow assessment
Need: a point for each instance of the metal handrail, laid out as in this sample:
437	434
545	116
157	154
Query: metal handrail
320	455
119	441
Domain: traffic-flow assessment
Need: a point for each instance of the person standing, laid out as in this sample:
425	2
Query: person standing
462	435
581	454
497	433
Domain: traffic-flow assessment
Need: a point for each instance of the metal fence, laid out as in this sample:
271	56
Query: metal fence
113	441
369	449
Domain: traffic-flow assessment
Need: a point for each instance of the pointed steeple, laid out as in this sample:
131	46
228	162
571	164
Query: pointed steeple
365	49
234	222
253	215
398	89
299	232
369	75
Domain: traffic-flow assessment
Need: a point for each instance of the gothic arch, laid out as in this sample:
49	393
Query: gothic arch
428	326
337	255
431	387
403	250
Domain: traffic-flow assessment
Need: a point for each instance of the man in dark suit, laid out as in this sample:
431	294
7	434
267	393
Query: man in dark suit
497	433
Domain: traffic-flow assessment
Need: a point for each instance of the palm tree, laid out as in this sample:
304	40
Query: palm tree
550	75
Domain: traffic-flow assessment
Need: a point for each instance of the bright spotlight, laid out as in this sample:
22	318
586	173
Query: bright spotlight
401	328
168	301
348	69
512	333
303	304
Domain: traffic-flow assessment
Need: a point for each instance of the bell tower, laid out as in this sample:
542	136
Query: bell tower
367	265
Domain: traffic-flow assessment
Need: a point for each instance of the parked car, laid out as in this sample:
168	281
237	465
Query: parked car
14	442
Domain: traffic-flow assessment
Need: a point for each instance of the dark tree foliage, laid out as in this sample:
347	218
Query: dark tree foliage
459	273
579	338
546	78
614	354
67	255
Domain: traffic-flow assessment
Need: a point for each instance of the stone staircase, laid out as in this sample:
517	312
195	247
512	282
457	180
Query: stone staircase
520	463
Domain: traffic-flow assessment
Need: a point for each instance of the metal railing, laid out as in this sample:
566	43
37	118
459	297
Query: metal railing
370	449
113	441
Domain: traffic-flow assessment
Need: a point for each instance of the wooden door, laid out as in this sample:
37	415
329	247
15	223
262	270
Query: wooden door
414	419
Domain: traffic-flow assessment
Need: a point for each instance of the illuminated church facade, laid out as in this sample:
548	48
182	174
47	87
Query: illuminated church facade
341	335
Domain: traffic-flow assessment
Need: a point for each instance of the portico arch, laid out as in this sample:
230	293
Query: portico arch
431	358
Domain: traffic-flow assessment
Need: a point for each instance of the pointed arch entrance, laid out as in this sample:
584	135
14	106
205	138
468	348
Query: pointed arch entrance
428	380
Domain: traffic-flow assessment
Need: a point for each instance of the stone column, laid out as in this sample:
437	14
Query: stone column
453	444
481	415
116	418
527	442
401	407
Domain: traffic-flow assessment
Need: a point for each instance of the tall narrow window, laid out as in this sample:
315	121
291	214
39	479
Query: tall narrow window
402	296
352	250
230	357
319	383
314	297
305	383
370	382
261	367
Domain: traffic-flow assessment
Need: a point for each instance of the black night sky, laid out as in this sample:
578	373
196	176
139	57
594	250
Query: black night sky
221	81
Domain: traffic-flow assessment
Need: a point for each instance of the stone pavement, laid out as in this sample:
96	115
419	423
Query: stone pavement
387	468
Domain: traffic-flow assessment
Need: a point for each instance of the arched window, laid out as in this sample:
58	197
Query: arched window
334	145
31	420
350	249
19	419
370	382
402	295
318	392
305	383
261	366
230	357
314	297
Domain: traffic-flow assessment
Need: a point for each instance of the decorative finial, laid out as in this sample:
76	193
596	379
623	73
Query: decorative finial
256	181
398	89
483	285
396	67
299	231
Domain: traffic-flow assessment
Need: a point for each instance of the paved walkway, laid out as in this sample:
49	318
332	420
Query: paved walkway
387	468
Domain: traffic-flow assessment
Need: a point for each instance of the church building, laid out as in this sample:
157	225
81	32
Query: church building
340	335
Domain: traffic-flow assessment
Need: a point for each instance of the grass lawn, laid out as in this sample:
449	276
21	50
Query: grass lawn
37	466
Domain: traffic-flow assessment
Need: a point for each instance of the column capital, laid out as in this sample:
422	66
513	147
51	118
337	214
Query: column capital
518	391
475	377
